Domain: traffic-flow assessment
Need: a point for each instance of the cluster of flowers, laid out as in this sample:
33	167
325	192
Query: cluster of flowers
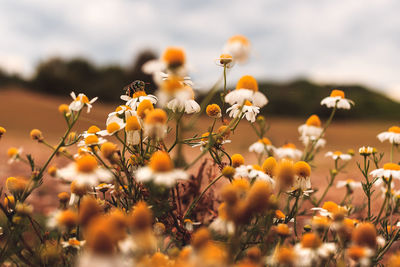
136	201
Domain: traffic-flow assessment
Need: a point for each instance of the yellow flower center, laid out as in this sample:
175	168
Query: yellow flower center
257	167
282	229
279	214
225	59
247	82
248	103
337	153
330	206
265	141
313	120
302	169
113	127
391	166
213	110
356	252
12	151
132	124
338	93
394	129
172	84
289	145
156	116
83	99
349	181
286	256
269	165
225	56
241	185
91	140
174	56
138	94
63	108
122	107
73	242
160	161
144	107
239	38
310	240
237	160
93	129
67	218
86	164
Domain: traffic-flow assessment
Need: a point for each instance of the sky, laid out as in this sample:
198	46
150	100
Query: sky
342	41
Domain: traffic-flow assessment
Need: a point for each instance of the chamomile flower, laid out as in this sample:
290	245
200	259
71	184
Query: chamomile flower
308	140
92	140
360	255
262	146
104	187
312	127
337	99
303	173
132	129
238	46
349	183
338	155
13	154
330	208
80	101
184	102
92	130
246	89
248	110
282	256
253	172
85	171
62	219
113	125
161	171
73	243
392	135
155	124
311	249
288	150
122	112
225	60
389	170
221	224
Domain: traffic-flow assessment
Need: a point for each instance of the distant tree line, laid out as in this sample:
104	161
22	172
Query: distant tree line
295	98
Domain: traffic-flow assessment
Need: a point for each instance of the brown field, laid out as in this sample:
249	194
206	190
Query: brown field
21	111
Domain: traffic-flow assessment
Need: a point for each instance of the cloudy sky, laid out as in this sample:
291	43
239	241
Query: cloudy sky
325	40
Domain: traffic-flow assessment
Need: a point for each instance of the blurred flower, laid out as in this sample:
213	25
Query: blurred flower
225	60
389	170
338	155
312	127
262	146
289	150
80	101
73	243
392	135
337	99
247	109
351	184
238	46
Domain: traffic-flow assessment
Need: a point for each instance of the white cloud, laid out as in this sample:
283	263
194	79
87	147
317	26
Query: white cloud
341	41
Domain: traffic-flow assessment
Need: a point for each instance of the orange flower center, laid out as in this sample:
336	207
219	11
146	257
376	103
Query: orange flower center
289	145
138	94
313	120
86	164
144	107
265	141
247	82
83	99
132	124
391	166
336	93
91	140
160	161
113	127
310	240
174	56
394	129
330	206
239	38
93	129
156	116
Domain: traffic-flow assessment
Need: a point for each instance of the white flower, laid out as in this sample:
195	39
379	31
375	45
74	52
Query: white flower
155	124
222	226
308	140
189	225
85	171
312	127
388	170
14	154
92	140
392	135
337	99
73	243
262	146
183	103
104	187
288	151
80	101
238	47
348	183
246	90
114	124
248	171
93	130
225	60
309	255
160	171
366	150
248	110
338	155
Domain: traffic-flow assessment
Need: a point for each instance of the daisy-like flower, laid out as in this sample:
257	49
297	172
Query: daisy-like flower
113	125
330	208
392	135
246	89
92	130
221	224
135	93
92	140
13	154
213	111
104	187
311	249
303	173
161	171
389	170
366	151
238	46
122	112
248	110
155	124
262	146
308	140
132	129
253	172
85	171
338	155
349	183
73	243
225	60
283	256
62	219
312	127
289	150
360	255
337	99
80	101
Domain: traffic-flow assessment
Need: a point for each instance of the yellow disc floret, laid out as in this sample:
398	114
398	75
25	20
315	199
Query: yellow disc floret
394	129
337	93
269	165
91	140
160	161
237	160
213	111
86	164
156	116
302	169
84	99
113	127
174	56
132	124
12	152
63	108
93	129
239	38
247	82
391	166
144	107
310	240
265	141
313	120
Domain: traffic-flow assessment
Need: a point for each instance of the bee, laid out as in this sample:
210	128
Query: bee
133	87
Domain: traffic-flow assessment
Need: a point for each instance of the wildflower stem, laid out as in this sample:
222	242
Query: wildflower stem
197	199
223	96
387	196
